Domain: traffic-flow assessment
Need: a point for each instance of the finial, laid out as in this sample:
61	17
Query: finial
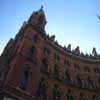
42	5
98	15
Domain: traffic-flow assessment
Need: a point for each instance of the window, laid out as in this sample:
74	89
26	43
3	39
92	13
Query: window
77	67
56	92
81	97
34	39
67	77
97	70
24	80
44	66
86	69
56	71
79	82
90	82
31	53
56	57
46	51
41	91
69	95
99	80
94	97
66	62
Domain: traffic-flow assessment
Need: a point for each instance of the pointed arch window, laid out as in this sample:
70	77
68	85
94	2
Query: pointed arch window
57	58
31	53
44	66
56	92
56	72
24	80
94	97
81	97
67	78
79	81
42	90
69	95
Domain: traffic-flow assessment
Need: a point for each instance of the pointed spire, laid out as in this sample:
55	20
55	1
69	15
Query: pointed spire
94	52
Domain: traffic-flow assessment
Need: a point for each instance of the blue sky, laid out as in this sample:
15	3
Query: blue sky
72	21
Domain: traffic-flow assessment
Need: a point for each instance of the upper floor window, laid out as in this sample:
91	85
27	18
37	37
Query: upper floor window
81	97
77	67
31	53
44	65
46	50
34	39
94	97
24	80
56	55
67	77
90	82
41	91
97	70
56	71
99	80
66	62
86	69
56	92
79	82
69	95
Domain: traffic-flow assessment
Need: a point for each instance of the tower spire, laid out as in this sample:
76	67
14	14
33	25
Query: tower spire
42	5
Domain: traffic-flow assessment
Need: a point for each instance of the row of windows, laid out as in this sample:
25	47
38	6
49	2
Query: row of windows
65	76
66	62
57	94
47	52
41	92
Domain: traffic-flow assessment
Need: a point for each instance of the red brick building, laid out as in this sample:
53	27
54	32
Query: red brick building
33	66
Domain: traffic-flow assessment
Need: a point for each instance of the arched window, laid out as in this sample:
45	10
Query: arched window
24	79
44	66
67	77
69	95
81	97
56	72
41	91
79	82
31	53
56	92
46	51
94	97
90	82
57	58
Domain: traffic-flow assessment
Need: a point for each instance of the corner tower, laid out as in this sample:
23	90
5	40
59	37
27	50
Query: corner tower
38	19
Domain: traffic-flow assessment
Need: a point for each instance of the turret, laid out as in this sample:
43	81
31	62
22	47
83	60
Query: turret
94	52
38	19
